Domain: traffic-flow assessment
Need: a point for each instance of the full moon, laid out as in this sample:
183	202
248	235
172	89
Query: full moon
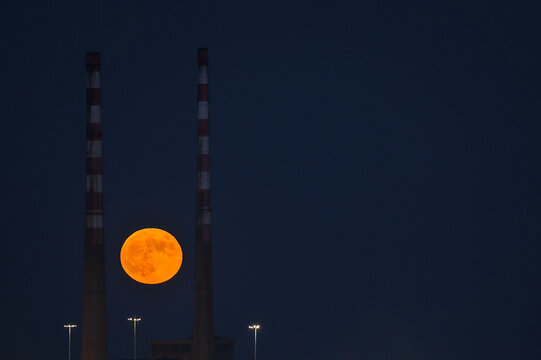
151	256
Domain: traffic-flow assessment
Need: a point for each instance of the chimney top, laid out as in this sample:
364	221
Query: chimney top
202	56
93	58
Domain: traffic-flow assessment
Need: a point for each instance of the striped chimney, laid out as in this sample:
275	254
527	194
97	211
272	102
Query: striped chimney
93	342
203	333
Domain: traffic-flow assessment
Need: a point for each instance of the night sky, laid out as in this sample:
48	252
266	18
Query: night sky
375	174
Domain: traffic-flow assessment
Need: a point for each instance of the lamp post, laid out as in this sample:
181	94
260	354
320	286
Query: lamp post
135	321
69	326
255	327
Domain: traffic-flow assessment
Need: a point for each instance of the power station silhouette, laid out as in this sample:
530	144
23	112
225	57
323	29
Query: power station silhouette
203	345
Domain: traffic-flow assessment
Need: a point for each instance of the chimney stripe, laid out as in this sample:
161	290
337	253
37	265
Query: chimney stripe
93	96
95	114
94	202
203	127
203	112
203	76
94	221
203	145
93	166
94	80
93	148
202	92
204	180
94	183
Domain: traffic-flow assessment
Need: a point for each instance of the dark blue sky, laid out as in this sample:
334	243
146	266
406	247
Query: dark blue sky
375	173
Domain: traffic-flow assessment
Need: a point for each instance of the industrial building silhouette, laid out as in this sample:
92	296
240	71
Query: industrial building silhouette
203	345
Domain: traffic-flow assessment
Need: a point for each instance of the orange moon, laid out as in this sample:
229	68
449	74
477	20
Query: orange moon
151	256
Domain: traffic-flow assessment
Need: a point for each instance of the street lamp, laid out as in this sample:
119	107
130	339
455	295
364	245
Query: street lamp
69	326
135	320
255	327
